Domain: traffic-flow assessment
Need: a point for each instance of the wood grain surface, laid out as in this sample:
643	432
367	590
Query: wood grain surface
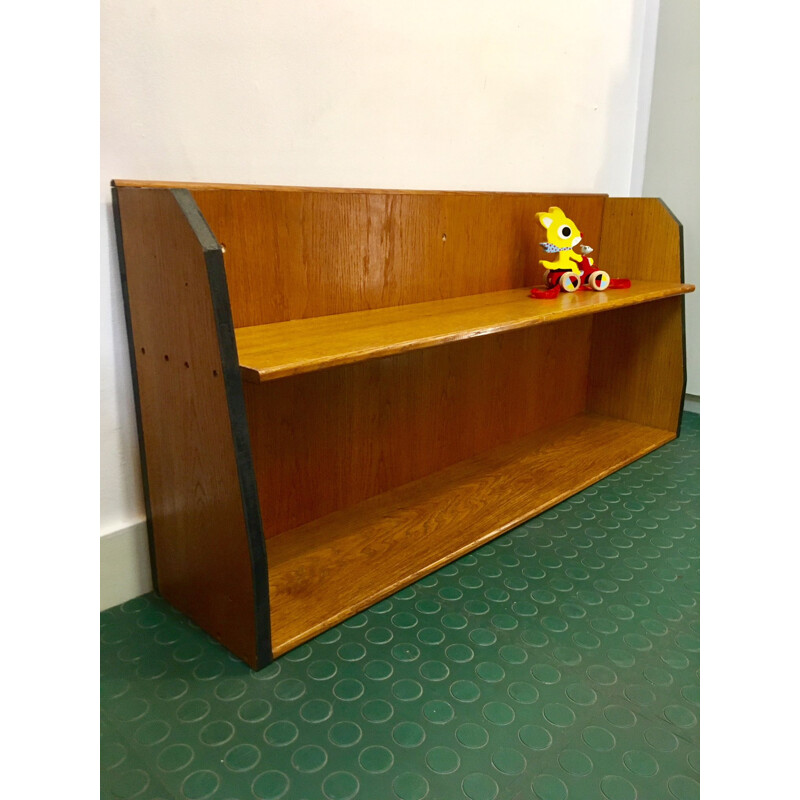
293	254
641	239
327	440
199	532
638	368
274	351
334	567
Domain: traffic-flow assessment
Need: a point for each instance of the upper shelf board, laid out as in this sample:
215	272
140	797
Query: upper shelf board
280	349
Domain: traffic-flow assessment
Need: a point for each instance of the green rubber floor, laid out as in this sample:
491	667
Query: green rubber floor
559	661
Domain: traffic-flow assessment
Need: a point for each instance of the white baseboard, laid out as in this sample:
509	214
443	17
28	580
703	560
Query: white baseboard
124	565
692	403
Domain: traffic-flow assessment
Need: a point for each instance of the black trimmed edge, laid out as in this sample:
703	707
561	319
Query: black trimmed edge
234	390
683	315
135	381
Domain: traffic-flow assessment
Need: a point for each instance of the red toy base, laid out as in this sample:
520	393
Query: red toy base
554	290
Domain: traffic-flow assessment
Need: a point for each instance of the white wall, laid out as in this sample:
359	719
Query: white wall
441	94
672	166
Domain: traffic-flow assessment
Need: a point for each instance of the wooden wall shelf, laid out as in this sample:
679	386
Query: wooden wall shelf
339	391
279	349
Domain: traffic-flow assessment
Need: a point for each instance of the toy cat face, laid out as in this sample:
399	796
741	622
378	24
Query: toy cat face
561	231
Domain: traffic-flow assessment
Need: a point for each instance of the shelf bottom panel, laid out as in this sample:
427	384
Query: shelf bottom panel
328	570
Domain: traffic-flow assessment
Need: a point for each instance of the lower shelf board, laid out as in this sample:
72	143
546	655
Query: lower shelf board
334	567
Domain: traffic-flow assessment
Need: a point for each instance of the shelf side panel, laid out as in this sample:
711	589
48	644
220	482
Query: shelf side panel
335	567
309	253
198	516
637	370
641	239
638	361
327	440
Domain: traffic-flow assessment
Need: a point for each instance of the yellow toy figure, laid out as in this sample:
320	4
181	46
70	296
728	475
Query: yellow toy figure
570	271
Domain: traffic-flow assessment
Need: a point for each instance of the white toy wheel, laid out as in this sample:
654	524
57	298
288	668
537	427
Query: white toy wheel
570	282
599	280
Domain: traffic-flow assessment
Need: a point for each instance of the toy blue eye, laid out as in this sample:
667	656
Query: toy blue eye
565	231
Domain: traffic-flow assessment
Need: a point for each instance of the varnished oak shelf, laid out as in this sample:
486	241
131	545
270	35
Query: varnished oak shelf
329	569
293	475
267	352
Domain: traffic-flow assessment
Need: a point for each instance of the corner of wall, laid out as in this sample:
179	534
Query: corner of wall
648	11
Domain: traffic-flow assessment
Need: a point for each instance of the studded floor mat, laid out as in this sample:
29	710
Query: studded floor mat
559	661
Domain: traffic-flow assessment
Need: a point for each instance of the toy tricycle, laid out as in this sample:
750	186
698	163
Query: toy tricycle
571	270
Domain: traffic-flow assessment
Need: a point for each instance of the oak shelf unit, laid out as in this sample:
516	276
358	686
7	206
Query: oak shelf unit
341	390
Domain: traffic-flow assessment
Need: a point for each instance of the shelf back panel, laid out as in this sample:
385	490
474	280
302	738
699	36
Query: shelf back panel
298	253
327	440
